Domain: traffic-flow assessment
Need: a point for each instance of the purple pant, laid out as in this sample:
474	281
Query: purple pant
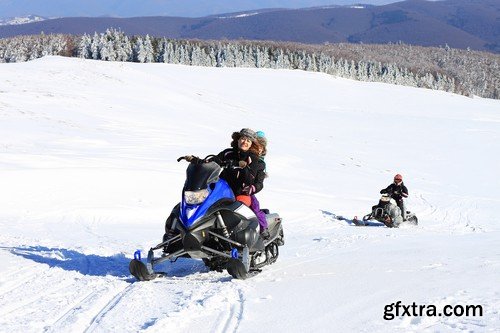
255	207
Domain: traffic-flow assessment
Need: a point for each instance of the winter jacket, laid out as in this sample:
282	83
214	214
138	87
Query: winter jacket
260	176
397	192
237	177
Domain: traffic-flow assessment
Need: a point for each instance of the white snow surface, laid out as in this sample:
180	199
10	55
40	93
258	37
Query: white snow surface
88	175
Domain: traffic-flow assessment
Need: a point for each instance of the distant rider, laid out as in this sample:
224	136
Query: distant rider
397	190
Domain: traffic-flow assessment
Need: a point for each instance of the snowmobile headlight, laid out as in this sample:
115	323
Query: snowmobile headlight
195	197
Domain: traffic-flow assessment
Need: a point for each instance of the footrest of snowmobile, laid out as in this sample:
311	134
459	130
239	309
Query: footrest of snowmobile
139	270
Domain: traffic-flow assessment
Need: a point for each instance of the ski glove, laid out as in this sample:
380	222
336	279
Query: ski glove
248	190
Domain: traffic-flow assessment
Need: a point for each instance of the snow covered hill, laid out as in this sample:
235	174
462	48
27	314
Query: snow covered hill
88	172
21	20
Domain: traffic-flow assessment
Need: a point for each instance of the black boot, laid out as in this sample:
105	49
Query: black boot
265	234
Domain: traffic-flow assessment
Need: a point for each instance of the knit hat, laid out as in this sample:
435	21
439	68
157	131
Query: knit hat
261	137
247	132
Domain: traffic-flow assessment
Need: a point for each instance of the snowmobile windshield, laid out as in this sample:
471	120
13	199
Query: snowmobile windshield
200	175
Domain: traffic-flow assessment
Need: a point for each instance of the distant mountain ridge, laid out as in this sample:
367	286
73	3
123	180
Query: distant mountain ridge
461	24
22	20
131	8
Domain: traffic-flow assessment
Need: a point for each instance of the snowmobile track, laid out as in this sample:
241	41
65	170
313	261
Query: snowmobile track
108	307
234	315
75	309
36	296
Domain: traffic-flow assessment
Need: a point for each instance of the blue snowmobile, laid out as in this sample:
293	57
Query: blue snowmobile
209	224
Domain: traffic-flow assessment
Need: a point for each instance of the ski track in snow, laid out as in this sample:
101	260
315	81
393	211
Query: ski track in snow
97	303
220	305
108	308
222	296
82	307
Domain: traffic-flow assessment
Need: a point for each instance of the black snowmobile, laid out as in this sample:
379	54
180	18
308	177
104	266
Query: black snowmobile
388	212
209	224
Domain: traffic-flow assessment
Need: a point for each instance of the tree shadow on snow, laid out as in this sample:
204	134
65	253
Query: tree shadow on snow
71	260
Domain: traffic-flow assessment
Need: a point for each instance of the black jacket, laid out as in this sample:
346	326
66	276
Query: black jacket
260	176
237	177
397	192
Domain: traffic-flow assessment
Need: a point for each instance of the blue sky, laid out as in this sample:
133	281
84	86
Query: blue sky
129	8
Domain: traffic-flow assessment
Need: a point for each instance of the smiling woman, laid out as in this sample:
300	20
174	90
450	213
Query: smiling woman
242	160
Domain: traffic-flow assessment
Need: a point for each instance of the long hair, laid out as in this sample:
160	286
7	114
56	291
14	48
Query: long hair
254	148
263	144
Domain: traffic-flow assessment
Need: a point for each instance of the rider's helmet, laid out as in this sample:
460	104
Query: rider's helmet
398	178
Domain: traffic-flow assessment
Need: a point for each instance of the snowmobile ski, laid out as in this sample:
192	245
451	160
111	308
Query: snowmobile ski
359	223
140	271
354	221
237	269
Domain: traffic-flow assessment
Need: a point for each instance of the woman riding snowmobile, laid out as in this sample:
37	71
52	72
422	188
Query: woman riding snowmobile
211	225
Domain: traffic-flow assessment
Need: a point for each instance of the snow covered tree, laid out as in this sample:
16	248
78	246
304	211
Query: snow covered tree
84	47
460	71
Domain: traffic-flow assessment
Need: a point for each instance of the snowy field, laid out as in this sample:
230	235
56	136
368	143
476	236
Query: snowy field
88	175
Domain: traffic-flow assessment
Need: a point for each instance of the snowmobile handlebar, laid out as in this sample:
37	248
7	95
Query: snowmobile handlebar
207	159
384	191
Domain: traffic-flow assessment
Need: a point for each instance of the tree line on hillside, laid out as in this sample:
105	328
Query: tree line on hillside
459	71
